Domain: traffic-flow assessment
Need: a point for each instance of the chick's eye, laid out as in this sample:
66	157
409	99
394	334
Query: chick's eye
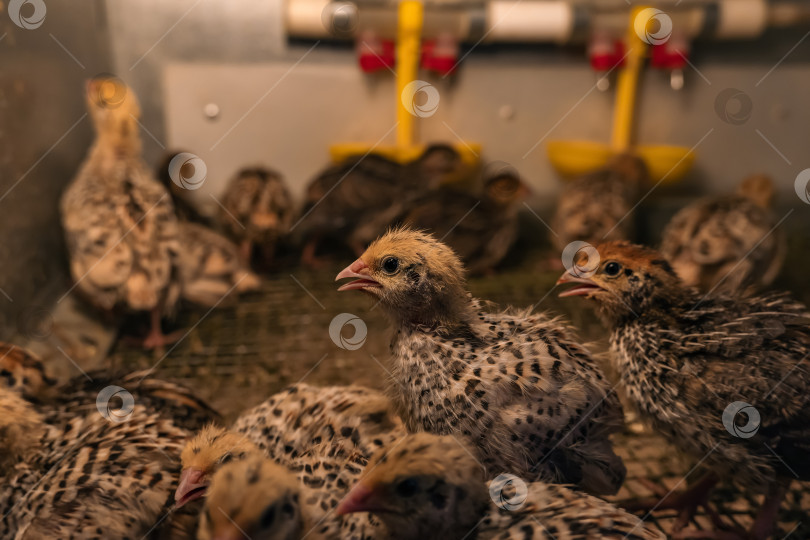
407	487
225	459
390	265
613	268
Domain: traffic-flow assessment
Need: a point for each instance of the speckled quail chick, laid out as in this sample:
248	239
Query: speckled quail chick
264	500
97	469
257	211
597	206
430	486
119	221
517	386
286	426
690	363
481	230
353	202
728	243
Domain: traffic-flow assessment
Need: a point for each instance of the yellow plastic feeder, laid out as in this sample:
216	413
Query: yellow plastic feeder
664	162
409	39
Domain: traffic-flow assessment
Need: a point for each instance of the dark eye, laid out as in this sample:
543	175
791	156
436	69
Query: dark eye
408	487
225	459
390	265
613	268
268	517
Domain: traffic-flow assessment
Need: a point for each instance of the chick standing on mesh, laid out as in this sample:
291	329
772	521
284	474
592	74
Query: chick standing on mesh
480	230
286	426
430	486
517	386
210	269
597	206
688	361
727	243
256	211
119	221
354	201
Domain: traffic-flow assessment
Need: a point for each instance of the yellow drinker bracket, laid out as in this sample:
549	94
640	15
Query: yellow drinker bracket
410	21
575	158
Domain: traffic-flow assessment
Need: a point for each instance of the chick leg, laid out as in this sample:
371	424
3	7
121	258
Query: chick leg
156	339
689	500
245	252
308	257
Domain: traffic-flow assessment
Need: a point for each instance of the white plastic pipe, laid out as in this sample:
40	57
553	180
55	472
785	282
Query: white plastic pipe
529	20
741	18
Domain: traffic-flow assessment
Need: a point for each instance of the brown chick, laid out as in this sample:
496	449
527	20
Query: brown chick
429	486
729	243
256	211
724	379
597	206
252	498
353	202
24	372
119	221
518	387
480	230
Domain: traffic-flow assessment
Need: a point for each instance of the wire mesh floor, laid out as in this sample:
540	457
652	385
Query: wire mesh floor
237	355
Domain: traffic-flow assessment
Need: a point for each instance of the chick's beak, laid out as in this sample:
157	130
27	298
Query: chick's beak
586	286
360	270
361	498
193	485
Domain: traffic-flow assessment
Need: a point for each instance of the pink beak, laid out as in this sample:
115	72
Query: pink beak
359	499
587	287
193	485
360	270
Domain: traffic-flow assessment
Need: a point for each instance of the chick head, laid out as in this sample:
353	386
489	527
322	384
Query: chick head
115	112
254	498
23	372
505	188
623	279
422	486
206	452
416	278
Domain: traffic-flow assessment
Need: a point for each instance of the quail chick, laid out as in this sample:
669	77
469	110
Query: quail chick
691	363
517	386
480	230
729	243
253	498
597	206
259	498
209	267
430	486
353	202
286	426
118	219
256	211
